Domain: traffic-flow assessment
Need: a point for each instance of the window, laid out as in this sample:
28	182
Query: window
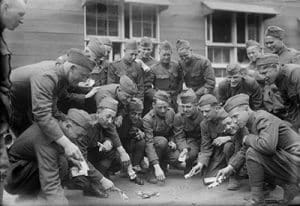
102	19
226	35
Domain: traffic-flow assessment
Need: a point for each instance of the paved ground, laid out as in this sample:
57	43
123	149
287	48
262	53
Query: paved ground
176	191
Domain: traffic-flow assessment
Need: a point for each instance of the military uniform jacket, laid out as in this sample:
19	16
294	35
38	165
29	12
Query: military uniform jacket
289	56
248	85
187	128
99	74
198	73
210	130
147	74
153	125
132	70
167	77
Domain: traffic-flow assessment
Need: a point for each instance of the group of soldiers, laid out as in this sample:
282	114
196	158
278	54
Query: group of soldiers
80	118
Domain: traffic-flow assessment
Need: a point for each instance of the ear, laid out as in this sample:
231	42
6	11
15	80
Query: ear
73	67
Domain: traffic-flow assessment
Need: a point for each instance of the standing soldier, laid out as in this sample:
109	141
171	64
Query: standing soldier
198	73
274	36
272	150
157	125
128	66
236	83
11	15
253	50
187	132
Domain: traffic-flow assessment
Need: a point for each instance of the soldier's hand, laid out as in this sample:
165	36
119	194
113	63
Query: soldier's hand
106	183
140	135
183	155
159	173
224	173
172	145
125	159
196	169
91	93
221	140
107	145
72	151
75	162
118	121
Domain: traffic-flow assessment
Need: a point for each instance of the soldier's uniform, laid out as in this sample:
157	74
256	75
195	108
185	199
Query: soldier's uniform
99	73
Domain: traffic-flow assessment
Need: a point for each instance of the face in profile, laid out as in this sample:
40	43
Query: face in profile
185	55
273	44
239	116
12	13
77	74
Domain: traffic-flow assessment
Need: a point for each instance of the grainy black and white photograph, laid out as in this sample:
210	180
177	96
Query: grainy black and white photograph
150	102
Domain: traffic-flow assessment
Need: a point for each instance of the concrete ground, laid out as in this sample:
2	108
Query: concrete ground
175	191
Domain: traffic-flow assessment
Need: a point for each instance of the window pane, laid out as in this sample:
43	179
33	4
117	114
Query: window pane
208	27
113	28
219	54
220	72
147	29
210	52
253	27
136	29
242	55
136	13
221	27
91	19
240	21
116	51
101	27
127	22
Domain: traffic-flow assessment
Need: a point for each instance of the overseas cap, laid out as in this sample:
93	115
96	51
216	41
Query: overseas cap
128	86
188	96
207	99
165	45
267	59
97	47
131	44
162	95
136	105
80	117
76	56
235	101
182	44
233	68
251	43
275	31
146	42
108	103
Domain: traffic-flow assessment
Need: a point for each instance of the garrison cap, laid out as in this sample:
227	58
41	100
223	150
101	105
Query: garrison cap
131	44
128	86
97	47
233	68
188	96
80	117
165	45
76	56
108	103
251	43
146	42
207	99
275	31
235	101
267	59
136	105
106	41
162	95
182	44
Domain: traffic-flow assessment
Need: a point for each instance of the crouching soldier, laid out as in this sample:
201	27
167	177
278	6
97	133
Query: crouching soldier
271	150
216	146
187	133
157	125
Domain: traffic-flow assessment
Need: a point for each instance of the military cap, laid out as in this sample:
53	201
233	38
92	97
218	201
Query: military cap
76	56
267	59
97	47
188	96
131	44
251	43
127	85
182	44
165	45
146	42
235	101
233	68
207	99
106	41
162	95
108	103
275	31
80	117
136	105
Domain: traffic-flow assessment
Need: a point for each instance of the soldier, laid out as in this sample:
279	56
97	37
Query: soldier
128	66
166	74
187	132
287	79
217	146
108	144
45	88
157	125
11	15
274	36
254	50
198	73
236	83
273	149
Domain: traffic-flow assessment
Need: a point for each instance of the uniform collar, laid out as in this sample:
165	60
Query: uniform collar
283	49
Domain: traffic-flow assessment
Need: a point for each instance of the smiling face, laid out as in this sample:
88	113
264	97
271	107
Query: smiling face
234	79
269	72
12	13
229	126
253	52
145	52
185	55
188	109
273	44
